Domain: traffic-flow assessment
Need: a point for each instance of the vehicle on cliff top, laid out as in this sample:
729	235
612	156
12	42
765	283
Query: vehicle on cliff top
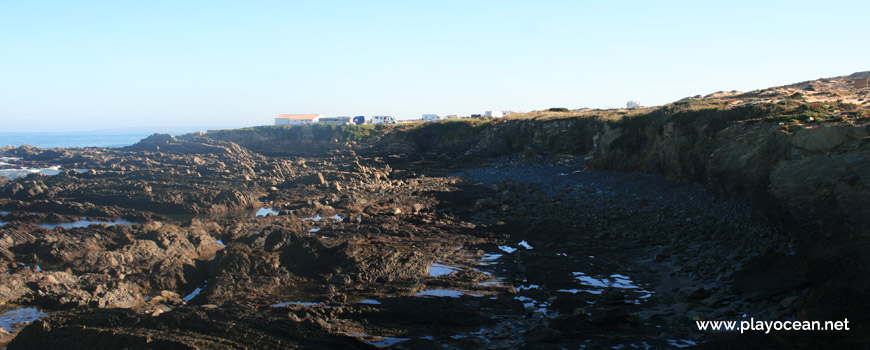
382	119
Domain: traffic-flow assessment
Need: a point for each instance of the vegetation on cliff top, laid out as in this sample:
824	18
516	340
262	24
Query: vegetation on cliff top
344	133
823	100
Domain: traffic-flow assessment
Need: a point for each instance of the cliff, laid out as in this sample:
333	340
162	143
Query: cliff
800	153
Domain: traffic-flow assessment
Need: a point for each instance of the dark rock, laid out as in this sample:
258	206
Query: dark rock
229	327
543	335
699	293
770	274
612	318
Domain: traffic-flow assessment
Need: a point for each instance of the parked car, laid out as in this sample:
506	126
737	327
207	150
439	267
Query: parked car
382	119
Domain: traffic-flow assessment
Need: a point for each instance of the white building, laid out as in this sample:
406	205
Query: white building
432	117
494	114
632	105
297	119
343	120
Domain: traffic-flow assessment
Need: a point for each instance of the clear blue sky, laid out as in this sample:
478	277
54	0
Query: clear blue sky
86	65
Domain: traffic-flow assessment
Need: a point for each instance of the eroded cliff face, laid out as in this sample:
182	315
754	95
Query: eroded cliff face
809	176
812	180
460	140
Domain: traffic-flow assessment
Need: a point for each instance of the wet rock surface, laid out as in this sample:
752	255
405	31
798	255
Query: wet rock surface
364	251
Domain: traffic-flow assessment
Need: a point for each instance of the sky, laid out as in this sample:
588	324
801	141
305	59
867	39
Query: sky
94	65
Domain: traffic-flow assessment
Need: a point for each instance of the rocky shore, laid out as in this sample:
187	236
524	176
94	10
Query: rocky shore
539	233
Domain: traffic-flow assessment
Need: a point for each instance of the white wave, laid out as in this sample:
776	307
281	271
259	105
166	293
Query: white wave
16	173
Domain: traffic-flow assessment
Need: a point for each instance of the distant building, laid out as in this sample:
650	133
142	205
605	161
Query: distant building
334	120
432	117
494	114
297	119
632	105
859	83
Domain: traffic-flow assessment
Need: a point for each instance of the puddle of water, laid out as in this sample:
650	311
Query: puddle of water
490	257
575	291
13	174
18	317
525	244
337	217
440	293
531	286
682	343
507	249
82	171
85	223
192	295
302	303
316	218
314	230
489	284
440	270
266	212
539	306
378	341
221	243
614	281
370	302
643	346
387	341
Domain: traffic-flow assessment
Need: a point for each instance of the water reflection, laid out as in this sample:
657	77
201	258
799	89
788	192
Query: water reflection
85	223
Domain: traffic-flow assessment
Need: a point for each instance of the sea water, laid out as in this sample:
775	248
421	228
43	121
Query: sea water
112	139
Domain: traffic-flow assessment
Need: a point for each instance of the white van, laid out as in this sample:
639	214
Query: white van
382	119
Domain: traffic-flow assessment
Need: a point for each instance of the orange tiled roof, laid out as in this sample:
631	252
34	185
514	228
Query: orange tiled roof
298	116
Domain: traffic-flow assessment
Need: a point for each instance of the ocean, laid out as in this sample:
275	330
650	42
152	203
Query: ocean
112	139
10	168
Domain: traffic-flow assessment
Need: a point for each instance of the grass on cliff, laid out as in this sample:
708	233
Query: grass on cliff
427	135
345	133
717	115
815	112
449	129
687	117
